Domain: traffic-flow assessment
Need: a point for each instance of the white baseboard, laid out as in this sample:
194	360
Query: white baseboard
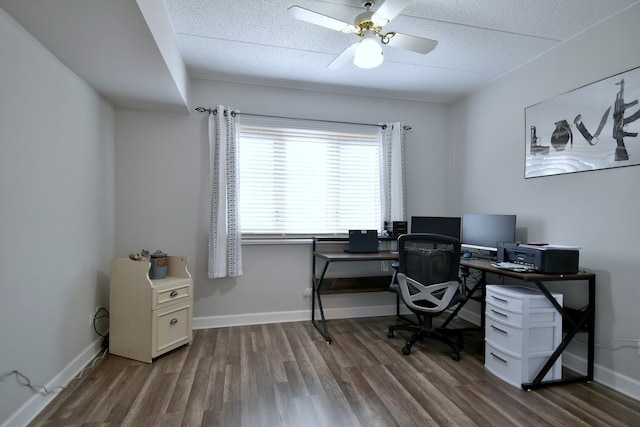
292	316
605	376
470	316
32	407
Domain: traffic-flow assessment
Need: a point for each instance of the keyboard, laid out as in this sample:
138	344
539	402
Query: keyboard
512	266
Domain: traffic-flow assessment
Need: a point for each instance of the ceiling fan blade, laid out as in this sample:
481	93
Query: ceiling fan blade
412	43
389	10
344	57
316	18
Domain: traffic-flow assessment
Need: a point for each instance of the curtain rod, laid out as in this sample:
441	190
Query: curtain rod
234	113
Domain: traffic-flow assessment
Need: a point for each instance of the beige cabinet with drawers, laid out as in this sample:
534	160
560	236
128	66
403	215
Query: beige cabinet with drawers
148	317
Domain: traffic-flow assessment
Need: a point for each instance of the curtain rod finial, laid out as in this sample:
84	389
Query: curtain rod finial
205	110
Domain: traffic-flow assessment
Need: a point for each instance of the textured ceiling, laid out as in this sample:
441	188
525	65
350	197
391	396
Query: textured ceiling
126	50
479	40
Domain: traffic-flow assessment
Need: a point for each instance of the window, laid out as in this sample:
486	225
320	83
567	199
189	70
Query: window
300	177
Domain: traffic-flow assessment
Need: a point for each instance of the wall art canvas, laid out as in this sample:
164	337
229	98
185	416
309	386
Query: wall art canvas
592	127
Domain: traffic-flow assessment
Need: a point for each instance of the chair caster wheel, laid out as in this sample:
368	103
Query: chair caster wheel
406	351
389	334
455	356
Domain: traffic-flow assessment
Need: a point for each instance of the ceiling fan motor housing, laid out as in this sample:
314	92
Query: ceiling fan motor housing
364	21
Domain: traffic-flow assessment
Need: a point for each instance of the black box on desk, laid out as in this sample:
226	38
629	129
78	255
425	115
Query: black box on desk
395	228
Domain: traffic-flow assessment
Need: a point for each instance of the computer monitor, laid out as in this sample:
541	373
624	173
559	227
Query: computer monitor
484	231
446	225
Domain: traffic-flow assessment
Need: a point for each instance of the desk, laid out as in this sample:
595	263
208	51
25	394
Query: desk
573	321
323	285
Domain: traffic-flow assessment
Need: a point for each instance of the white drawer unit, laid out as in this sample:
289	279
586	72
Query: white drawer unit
149	317
543	337
517	369
522	329
519	299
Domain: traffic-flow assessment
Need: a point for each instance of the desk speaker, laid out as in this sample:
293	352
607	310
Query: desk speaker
395	228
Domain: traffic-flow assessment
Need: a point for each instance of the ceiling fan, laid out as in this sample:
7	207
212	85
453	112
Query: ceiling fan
367	53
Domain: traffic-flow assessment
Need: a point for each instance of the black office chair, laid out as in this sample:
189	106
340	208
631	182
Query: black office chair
394	287
429	285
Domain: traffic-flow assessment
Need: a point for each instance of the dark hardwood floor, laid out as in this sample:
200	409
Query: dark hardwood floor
285	374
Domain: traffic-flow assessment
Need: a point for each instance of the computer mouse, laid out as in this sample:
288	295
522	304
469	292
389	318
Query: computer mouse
466	255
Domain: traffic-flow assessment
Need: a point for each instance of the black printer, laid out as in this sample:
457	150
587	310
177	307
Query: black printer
543	258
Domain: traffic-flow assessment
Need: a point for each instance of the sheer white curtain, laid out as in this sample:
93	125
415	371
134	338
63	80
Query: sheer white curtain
225	250
393	200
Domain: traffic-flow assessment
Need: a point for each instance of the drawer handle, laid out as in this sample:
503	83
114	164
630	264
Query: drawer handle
173	294
500	299
173	321
499	313
499	358
499	330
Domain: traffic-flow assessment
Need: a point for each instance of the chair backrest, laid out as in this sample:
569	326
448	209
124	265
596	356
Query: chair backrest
429	258
428	271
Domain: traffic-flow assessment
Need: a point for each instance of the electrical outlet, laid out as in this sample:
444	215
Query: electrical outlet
307	293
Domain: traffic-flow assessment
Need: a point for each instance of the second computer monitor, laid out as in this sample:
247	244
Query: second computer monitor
484	231
446	225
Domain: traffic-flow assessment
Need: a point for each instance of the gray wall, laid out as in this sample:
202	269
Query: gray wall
597	211
63	217
162	196
56	217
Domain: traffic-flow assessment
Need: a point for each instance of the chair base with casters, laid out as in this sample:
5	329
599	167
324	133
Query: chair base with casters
450	337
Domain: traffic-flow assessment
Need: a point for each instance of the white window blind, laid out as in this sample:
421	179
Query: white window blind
300	177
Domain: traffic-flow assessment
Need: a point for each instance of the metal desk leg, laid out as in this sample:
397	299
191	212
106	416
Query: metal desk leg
537	381
591	326
587	317
317	286
479	285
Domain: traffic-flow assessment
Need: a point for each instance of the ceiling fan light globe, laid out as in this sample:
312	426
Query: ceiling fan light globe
368	54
